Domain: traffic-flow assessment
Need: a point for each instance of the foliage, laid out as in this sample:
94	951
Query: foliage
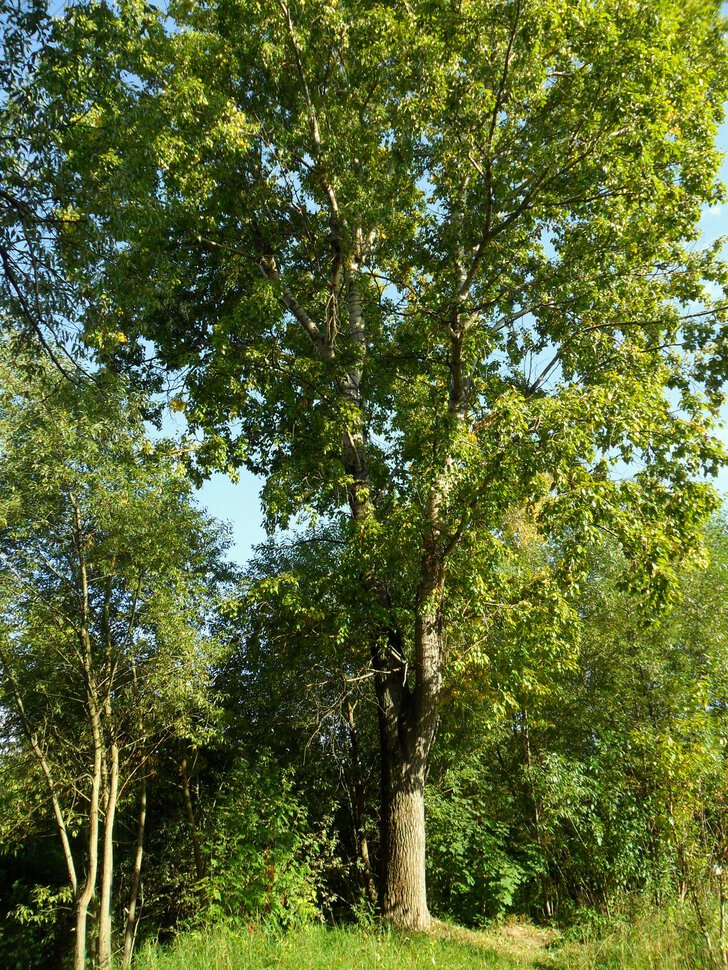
606	777
38	305
421	283
34	903
430	270
146	547
264	860
573	169
472	873
298	684
109	574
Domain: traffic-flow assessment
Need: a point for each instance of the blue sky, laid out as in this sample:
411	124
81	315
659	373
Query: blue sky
239	503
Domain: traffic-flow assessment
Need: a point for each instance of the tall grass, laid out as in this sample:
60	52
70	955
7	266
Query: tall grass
653	939
649	940
319	948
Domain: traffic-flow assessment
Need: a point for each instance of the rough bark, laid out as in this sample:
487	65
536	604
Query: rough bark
407	721
405	893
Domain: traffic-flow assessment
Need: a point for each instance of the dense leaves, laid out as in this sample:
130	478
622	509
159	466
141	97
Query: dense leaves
514	222
603	778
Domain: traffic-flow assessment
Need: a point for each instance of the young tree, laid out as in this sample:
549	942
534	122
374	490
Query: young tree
417	264
108	573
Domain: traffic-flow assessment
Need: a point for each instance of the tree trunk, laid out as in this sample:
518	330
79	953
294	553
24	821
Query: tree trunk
92	707
407	720
89	887
404	899
107	866
131	916
79	956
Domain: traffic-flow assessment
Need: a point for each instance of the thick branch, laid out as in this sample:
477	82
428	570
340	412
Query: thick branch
270	271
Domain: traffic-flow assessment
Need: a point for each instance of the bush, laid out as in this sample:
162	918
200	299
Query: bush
472	876
263	859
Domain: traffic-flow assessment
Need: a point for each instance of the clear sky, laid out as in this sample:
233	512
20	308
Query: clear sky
239	504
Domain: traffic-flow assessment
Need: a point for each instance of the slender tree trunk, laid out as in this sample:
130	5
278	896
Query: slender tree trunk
107	867
408	717
111	790
93	709
89	887
132	915
190	813
136	880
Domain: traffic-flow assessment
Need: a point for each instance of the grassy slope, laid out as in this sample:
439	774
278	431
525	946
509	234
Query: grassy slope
652	943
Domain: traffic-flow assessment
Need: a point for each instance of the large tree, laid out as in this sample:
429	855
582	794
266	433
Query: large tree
417	264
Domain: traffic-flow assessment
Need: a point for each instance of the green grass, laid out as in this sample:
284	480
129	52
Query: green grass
319	948
653	940
650	941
